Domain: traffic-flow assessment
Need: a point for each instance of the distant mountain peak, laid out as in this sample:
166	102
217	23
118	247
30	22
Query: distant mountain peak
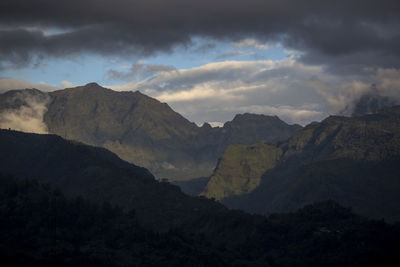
92	84
372	103
252	116
206	125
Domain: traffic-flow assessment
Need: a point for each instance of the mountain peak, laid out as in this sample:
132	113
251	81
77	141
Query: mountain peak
371	103
92	84
254	117
90	88
206	125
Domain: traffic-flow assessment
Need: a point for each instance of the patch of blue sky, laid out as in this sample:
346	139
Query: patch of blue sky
78	70
204	51
91	68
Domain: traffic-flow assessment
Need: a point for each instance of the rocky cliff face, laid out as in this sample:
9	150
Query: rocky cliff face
138	128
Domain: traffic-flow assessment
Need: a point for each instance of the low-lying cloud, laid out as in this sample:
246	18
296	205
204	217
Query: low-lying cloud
342	95
25	112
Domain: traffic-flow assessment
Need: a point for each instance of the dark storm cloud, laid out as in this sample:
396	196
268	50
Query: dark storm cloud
20	45
323	30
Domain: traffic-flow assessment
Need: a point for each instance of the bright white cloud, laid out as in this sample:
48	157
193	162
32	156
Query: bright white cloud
29	117
296	92
199	92
67	84
219	90
215	124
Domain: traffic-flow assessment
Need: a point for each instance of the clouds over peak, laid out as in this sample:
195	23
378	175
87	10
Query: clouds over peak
341	95
296	92
217	91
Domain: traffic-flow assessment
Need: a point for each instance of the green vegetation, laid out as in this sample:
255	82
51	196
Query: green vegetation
353	161
98	175
240	169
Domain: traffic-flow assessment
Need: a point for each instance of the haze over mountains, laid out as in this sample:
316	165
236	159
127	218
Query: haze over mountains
137	128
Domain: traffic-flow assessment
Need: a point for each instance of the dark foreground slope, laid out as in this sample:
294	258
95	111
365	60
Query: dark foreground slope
140	129
98	175
42	227
354	161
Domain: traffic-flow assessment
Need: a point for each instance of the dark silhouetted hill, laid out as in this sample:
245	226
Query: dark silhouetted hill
98	175
42	227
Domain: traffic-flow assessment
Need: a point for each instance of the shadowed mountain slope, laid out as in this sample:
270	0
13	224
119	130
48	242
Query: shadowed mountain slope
99	176
354	161
42	227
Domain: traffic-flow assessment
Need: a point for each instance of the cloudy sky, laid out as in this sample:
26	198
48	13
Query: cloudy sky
300	60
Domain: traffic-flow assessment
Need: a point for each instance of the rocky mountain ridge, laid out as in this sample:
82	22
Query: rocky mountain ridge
352	160
141	130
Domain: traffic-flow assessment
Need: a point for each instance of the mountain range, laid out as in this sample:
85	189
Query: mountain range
64	203
266	165
352	160
138	128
